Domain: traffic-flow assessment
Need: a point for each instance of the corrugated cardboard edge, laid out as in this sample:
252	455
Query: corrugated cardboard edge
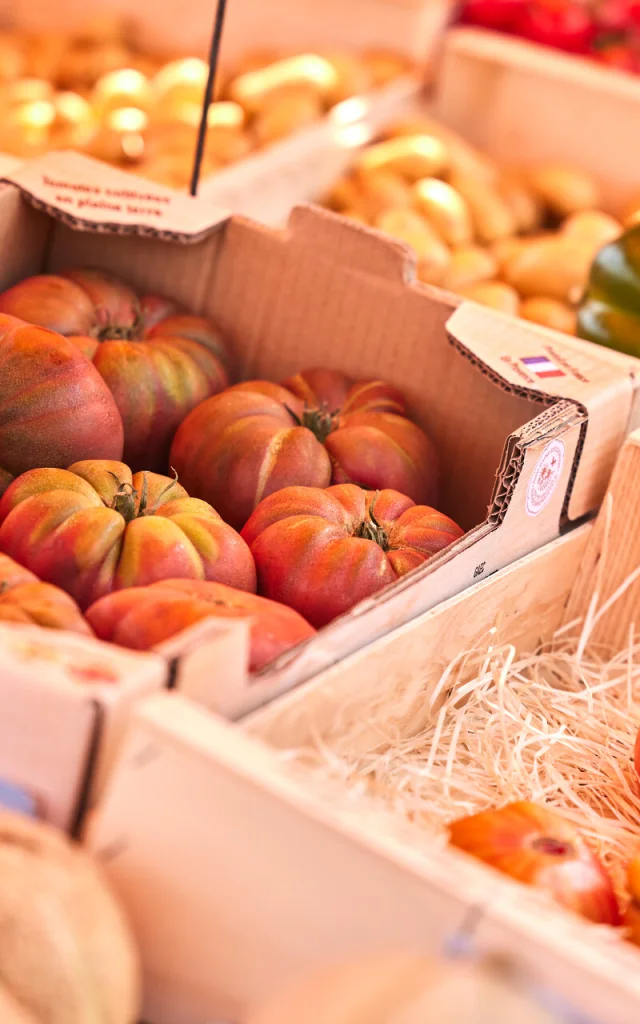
61	184
602	389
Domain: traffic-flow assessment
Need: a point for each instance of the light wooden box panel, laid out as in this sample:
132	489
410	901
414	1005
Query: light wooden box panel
408	26
239	874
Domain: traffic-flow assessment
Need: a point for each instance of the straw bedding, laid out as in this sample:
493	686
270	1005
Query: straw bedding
556	726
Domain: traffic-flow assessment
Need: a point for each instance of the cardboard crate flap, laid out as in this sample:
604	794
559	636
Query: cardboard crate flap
352	245
92	196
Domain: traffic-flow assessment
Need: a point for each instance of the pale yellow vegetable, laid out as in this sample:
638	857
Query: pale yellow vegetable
525	206
385	65
353	77
505	250
228	147
445	209
564	189
555	267
469	264
492	218
344	195
380	191
593	227
630	212
408	226
463	158
286	113
411	156
253	89
549	313
369	193
406	989
495	294
124	88
355	215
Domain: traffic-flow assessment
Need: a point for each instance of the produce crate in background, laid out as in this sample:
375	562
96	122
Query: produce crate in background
523	103
410	26
519	102
410	29
294	871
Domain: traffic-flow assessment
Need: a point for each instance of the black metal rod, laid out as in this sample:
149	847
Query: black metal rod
214	54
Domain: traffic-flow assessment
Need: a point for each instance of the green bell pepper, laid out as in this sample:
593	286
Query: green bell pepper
609	313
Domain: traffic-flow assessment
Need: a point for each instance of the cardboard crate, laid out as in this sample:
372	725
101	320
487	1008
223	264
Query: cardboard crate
239	874
523	455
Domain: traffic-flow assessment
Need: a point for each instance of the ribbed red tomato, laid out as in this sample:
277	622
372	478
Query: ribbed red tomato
25	599
142	617
158	362
95	528
54	406
317	428
322	551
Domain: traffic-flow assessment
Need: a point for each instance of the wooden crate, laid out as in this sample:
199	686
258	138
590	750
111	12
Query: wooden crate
523	103
239	874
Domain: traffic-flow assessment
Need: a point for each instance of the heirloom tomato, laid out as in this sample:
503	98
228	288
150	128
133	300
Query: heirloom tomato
54	406
142	617
25	599
157	361
322	551
97	527
317	428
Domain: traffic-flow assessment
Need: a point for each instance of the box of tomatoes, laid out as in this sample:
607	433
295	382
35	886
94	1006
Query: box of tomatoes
466	786
274	443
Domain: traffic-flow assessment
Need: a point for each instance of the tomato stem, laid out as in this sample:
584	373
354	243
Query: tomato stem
371	529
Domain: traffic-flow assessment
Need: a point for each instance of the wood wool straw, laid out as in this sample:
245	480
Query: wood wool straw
556	726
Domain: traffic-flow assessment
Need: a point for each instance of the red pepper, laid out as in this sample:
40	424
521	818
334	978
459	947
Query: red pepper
500	15
613	16
557	23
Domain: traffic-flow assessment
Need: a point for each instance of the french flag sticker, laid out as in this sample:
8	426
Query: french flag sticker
542	367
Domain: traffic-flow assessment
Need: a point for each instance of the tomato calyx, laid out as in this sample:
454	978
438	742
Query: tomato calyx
125	500
107	330
319	421
371	529
552	847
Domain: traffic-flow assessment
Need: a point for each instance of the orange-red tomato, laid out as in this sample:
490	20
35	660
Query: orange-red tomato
322	551
142	617
539	847
25	599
